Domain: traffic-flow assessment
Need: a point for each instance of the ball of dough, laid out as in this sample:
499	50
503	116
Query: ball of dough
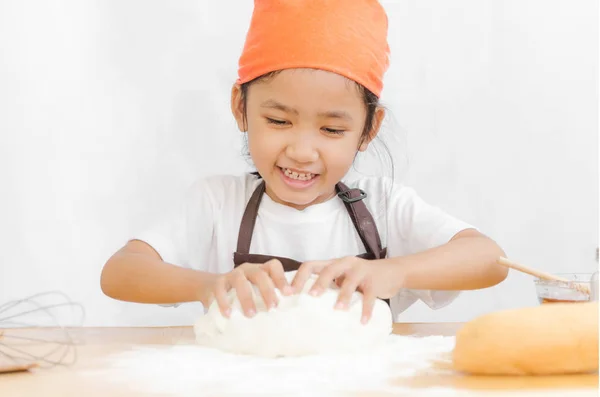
543	340
300	325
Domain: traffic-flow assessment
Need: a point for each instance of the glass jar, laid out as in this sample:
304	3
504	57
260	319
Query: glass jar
594	287
594	281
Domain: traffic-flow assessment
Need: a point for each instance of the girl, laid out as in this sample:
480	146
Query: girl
310	77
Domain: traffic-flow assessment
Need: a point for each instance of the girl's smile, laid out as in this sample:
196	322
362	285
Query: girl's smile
297	179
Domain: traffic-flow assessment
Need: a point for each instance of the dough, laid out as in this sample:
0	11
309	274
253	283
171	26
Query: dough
300	325
557	338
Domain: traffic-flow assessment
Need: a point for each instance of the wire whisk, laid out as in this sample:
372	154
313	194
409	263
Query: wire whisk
33	331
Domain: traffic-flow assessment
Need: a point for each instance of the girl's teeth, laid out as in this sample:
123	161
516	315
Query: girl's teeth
298	176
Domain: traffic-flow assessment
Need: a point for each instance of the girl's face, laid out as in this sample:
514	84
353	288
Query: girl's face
304	128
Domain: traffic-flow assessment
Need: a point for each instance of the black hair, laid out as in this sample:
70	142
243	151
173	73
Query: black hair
371	102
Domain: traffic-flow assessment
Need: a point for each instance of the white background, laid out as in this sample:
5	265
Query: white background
109	110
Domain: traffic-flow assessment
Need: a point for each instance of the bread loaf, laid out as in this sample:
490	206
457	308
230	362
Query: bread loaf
549	339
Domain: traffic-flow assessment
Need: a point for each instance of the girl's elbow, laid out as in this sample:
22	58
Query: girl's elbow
496	273
107	280
500	273
105	285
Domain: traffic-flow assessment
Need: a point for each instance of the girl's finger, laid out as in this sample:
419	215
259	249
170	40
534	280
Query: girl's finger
353	278
330	273
221	288
305	271
274	269
340	280
369	299
265	286
243	290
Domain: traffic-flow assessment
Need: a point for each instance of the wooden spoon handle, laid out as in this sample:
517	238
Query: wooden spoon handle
528	270
540	274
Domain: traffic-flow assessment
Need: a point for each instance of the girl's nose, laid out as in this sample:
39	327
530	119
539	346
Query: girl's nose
302	150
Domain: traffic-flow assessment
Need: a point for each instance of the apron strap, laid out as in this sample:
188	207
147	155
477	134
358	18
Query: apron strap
353	201
361	217
249	219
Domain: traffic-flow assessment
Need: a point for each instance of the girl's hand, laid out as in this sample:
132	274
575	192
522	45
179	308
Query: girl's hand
266	277
372	278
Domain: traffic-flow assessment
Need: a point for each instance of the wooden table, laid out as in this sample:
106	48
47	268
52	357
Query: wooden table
93	343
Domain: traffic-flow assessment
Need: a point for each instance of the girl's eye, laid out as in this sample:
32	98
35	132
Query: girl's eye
276	122
333	131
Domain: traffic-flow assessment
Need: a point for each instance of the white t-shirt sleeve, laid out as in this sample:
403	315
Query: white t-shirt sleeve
415	226
185	230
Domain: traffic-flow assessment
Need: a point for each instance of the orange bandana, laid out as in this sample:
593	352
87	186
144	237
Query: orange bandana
347	37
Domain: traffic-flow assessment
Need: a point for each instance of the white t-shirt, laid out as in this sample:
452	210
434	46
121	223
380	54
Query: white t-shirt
201	232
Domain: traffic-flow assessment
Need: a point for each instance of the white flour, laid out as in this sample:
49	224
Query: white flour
190	370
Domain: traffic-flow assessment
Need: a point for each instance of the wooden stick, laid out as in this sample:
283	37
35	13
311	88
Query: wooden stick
541	274
528	270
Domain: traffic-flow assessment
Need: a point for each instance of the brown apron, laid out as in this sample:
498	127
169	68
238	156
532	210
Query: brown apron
360	215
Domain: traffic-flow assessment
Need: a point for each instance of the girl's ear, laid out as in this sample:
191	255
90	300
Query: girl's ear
237	107
377	121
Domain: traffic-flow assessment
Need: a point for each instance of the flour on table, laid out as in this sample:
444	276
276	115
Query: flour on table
303	348
300	325
192	370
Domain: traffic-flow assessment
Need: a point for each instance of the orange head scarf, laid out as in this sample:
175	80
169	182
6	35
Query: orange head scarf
347	37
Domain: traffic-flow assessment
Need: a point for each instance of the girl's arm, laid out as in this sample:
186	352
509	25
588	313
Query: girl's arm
136	273
466	262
